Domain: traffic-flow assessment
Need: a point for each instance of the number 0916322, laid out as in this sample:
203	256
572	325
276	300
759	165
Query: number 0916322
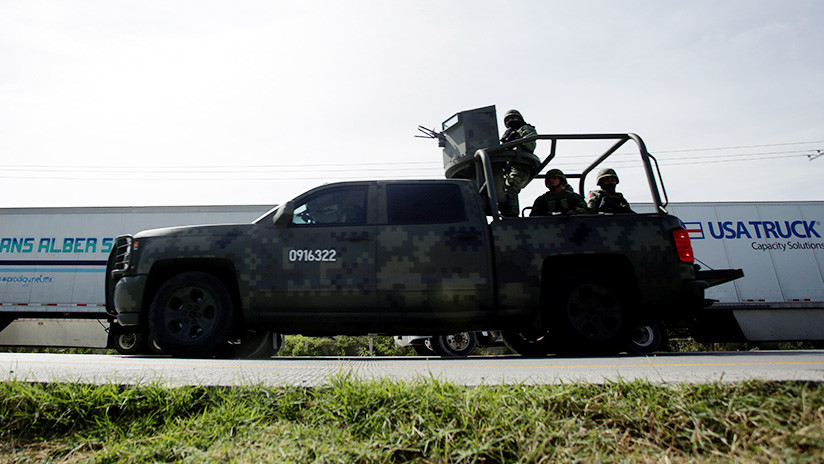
324	255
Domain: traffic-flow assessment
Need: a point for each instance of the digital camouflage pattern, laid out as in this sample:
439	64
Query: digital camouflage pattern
644	240
425	271
606	201
524	131
512	176
558	203
601	201
436	277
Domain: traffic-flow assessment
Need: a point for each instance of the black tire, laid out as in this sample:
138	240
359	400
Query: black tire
129	342
590	315
152	346
535	344
459	345
648	337
191	315
423	349
255	344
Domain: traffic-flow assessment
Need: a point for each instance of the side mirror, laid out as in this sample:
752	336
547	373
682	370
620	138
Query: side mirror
283	216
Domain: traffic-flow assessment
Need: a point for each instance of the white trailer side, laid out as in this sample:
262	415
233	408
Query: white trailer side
53	260
780	248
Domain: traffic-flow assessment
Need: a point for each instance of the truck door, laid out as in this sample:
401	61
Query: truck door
432	259
324	261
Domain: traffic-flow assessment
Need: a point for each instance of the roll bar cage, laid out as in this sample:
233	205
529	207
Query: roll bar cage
483	165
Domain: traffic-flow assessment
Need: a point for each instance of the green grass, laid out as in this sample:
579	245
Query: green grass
351	420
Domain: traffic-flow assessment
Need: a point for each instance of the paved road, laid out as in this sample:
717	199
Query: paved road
663	368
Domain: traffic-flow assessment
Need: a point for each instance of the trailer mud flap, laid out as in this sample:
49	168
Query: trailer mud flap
716	325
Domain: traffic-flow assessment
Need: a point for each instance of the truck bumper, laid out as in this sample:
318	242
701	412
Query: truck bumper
128	299
692	294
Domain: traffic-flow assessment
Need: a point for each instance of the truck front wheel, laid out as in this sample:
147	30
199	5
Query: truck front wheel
191	315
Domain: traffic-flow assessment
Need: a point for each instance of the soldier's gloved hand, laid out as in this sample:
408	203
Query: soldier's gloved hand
507	135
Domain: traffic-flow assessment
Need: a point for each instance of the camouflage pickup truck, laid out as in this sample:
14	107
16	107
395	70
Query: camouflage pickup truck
402	257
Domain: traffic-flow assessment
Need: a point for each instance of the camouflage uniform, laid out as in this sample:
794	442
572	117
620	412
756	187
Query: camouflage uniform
522	132
514	175
558	202
604	201
601	201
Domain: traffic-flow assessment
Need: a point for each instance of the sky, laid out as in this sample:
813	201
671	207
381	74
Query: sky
136	103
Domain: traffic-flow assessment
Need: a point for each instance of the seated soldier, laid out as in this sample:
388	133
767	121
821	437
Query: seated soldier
606	199
560	199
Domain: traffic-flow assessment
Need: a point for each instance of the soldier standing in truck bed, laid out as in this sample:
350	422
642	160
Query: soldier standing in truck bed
560	199
606	199
514	174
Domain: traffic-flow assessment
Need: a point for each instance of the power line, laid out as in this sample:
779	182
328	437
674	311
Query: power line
430	165
743	146
213	166
424	168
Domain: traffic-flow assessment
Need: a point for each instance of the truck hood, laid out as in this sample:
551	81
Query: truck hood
200	231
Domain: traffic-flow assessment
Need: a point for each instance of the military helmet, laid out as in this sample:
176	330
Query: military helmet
606	172
555	173
512	113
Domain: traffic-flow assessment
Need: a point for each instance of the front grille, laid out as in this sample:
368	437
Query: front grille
123	248
116	266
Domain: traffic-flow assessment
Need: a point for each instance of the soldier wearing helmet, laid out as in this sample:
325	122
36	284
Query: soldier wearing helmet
516	129
606	199
560	199
514	175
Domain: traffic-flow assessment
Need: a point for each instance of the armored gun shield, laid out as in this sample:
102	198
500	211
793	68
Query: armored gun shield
468	131
465	133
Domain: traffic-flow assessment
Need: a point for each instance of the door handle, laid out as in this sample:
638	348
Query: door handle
358	238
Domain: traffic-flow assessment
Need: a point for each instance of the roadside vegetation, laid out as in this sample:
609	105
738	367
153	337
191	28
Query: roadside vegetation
351	421
298	345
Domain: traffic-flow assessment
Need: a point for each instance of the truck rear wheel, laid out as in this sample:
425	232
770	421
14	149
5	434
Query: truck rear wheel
457	345
590	314
191	315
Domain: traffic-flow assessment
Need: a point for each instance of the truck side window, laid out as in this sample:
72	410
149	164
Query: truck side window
342	205
425	203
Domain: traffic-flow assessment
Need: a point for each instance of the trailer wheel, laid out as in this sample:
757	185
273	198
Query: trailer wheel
591	314
457	345
129	342
191	315
255	344
648	337
530	344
